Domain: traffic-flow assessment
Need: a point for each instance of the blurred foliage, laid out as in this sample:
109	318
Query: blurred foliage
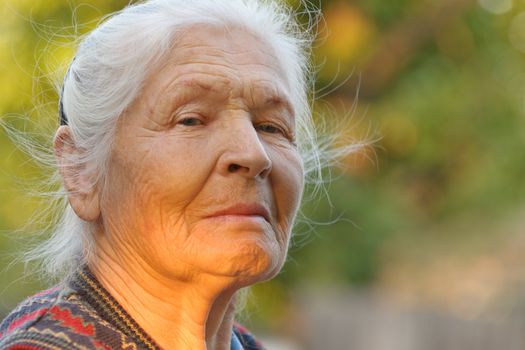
440	81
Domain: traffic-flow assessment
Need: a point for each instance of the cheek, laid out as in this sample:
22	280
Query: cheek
149	187
288	184
173	169
153	182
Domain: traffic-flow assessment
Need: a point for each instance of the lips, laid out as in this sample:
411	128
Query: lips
253	209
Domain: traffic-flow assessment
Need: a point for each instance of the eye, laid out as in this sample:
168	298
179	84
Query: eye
270	129
190	121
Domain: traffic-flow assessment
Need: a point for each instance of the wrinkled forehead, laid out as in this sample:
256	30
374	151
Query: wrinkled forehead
231	60
233	42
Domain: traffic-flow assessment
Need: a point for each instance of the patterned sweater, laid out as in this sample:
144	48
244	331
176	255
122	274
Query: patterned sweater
83	316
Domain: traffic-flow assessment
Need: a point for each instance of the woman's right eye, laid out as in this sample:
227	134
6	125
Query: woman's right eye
190	121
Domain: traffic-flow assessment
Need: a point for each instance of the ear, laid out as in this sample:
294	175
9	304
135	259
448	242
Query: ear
82	194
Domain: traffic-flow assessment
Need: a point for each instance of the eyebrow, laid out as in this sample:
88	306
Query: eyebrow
191	87
279	101
184	90
268	96
177	93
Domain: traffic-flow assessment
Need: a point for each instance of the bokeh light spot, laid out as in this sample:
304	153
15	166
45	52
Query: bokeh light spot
517	32
343	38
496	6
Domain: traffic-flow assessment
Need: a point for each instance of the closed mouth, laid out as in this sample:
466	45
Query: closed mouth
241	209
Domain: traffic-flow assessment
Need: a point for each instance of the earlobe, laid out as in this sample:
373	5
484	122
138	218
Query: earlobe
76	177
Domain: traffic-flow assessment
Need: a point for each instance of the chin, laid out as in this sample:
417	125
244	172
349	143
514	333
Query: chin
248	261
236	248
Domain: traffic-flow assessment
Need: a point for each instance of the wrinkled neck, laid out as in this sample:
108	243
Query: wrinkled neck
192	314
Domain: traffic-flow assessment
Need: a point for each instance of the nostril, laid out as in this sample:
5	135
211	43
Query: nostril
265	172
233	168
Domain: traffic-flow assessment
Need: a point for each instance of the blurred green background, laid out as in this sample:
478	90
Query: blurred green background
433	214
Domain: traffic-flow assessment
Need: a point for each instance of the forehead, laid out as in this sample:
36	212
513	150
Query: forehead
231	60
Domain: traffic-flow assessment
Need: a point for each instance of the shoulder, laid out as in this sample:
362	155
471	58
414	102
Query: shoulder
247	340
29	311
17	331
52	319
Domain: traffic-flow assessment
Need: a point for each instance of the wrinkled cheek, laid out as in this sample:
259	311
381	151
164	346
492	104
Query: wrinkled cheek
298	184
290	193
296	188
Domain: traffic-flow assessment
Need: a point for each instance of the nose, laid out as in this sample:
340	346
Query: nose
245	154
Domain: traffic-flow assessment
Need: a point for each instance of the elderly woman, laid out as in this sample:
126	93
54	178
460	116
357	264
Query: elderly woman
185	134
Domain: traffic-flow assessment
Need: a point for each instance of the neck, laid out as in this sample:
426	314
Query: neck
195	314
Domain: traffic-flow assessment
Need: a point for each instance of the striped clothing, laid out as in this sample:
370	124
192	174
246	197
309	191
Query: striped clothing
83	316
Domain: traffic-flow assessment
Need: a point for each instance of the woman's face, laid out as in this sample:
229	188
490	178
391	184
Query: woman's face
204	176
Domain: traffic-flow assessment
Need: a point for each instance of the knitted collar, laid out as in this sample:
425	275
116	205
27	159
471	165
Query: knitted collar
88	287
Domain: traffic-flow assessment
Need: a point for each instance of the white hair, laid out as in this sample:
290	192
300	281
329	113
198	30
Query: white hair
108	72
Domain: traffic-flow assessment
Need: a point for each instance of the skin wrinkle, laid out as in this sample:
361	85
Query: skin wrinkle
167	104
213	69
219	52
257	100
159	253
269	97
115	227
142	308
269	113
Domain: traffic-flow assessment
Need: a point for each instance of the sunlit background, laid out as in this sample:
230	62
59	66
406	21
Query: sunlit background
421	241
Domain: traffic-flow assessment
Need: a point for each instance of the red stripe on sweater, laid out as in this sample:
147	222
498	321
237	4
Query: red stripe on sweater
75	323
26	318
